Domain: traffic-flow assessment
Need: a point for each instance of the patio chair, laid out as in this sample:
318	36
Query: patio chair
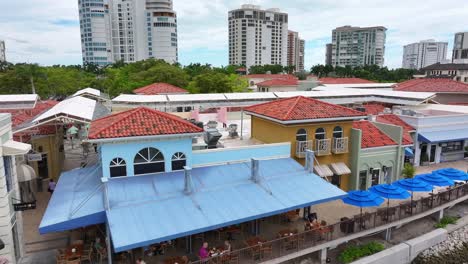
75	261
60	259
267	250
234	258
87	256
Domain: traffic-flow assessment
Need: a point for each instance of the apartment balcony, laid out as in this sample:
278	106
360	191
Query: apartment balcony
340	145
322	147
302	146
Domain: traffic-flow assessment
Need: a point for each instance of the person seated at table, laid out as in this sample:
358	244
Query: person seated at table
311	217
140	261
227	247
203	253
98	246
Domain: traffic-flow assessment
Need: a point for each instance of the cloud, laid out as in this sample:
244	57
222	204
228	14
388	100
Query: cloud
52	26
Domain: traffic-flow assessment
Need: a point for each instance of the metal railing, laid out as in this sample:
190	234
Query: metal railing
347	226
302	146
322	147
340	145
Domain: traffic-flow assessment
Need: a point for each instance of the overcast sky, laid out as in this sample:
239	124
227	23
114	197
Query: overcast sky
47	31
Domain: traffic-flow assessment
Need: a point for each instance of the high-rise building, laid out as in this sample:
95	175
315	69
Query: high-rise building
358	46
257	36
128	30
460	48
2	51
296	48
424	53
328	54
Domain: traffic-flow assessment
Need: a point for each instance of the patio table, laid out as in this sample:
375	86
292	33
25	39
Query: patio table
74	252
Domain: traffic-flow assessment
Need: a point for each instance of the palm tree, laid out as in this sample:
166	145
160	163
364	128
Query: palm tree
408	171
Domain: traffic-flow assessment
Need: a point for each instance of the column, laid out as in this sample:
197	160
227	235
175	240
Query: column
323	256
428	152
438	153
417	154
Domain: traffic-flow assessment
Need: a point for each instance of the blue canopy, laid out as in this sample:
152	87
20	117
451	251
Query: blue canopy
363	199
154	208
443	136
76	202
409	152
413	185
435	179
390	191
453	174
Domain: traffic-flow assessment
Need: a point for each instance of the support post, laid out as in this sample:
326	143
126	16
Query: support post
255	175
188	183
108	243
242	124
323	255
309	162
441	215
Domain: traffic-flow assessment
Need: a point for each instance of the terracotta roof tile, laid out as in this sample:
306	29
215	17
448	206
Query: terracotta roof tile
432	85
331	80
302	108
396	120
372	136
271	76
278	82
160	88
141	121
374	108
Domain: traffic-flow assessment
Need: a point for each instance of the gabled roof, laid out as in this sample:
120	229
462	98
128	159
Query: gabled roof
160	88
432	85
372	136
331	80
278	82
141	121
396	120
20	116
305	109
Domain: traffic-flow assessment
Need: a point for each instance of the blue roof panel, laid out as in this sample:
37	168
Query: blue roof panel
76	202
153	208
443	136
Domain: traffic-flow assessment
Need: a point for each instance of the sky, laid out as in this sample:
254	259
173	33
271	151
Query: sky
47	31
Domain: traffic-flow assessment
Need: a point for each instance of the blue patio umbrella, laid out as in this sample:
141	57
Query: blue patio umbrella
413	185
453	174
436	180
389	191
363	199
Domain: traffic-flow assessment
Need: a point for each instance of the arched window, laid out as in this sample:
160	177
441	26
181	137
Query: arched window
320	133
338	132
178	161
148	160
301	135
118	167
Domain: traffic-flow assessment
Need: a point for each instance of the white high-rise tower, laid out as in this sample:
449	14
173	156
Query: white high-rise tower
257	36
128	30
424	53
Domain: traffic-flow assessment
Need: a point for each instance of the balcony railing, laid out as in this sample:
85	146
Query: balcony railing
302	146
322	147
340	145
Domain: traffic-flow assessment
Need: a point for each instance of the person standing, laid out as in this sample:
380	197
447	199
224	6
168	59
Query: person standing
52	185
203	253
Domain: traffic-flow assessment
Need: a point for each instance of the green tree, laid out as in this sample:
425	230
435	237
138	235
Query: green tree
408	171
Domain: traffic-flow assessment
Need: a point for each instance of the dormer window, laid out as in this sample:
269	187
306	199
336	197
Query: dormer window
178	161
148	160
118	167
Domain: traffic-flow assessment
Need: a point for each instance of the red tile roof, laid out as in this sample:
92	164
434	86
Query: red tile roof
160	88
374	108
331	80
432	85
141	121
302	108
397	121
278	82
372	136
271	76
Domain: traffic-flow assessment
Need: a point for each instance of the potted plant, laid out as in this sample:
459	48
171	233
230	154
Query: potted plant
408	171
424	159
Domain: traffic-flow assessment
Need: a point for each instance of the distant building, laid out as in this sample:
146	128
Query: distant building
455	71
460	48
328	54
257	36
128	30
295	51
447	91
424	53
356	46
2	51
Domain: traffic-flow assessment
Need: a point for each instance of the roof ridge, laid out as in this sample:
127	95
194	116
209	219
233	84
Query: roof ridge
124	114
292	107
334	105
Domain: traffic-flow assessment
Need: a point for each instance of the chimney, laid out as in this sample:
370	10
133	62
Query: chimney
309	160
188	183
255	175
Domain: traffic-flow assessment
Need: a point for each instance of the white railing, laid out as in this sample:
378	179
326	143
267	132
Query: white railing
322	147
340	145
302	146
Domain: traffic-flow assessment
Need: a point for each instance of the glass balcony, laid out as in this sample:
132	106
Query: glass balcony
340	145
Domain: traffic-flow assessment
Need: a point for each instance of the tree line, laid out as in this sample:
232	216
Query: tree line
368	72
59	81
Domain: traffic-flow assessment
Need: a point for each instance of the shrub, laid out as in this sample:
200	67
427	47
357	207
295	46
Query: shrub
446	220
408	171
352	253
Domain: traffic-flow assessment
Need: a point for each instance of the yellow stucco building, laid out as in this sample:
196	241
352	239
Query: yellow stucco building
309	124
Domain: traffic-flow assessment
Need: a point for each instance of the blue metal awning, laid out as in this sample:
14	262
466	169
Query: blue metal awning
153	208
76	202
443	136
409	152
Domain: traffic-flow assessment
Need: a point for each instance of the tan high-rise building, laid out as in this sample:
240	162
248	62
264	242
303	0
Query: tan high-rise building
296	47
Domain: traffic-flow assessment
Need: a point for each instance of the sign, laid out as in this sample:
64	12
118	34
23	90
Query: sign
34	157
24	206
